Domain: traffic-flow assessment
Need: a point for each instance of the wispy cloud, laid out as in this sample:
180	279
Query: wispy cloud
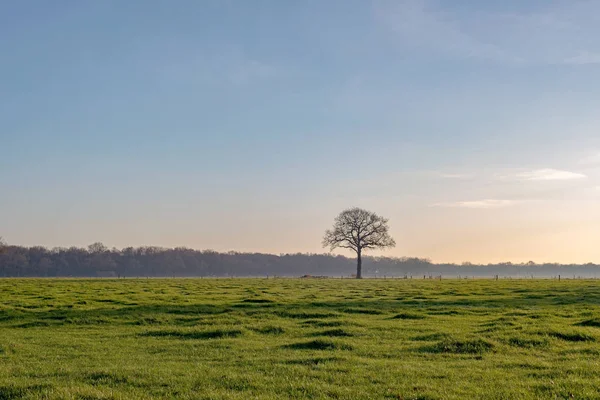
549	174
559	32
479	204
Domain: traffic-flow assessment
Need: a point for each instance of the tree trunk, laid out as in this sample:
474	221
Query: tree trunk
358	265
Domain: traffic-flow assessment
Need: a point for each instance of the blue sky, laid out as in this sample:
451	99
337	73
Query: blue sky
248	125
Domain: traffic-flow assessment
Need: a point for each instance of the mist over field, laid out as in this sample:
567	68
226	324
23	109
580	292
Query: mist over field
99	261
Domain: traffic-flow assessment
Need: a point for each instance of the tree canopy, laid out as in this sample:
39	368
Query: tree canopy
358	230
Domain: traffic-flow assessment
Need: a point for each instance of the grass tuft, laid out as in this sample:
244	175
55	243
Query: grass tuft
258	301
408	316
34	324
106	378
270	330
432	337
216	334
368	311
307	315
595	323
312	361
527	343
474	346
334	333
323	324
573	336
319	344
11	392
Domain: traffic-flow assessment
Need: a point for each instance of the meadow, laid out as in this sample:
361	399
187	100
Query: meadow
299	339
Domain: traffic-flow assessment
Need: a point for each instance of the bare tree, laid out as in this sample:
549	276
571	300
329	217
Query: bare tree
2	245
97	247
358	230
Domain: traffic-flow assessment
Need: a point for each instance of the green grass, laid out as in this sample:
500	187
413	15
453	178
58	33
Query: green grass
299	339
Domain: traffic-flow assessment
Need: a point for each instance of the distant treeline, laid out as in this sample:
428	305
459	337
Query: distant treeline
99	261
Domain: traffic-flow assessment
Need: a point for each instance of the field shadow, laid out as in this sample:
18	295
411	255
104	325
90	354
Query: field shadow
214	334
312	361
319	344
18	392
334	333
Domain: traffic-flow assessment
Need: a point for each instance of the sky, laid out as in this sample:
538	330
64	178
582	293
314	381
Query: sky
249	125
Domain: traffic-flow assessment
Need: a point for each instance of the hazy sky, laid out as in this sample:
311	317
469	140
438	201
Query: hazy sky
248	125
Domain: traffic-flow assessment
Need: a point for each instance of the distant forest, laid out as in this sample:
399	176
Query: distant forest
99	261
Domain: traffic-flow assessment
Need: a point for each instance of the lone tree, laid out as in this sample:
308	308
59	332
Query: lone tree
358	230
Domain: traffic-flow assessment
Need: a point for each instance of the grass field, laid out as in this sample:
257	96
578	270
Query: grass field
292	338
